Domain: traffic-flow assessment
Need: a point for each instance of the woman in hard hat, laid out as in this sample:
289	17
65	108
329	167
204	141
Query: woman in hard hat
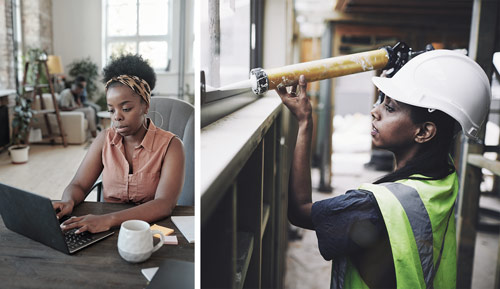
398	232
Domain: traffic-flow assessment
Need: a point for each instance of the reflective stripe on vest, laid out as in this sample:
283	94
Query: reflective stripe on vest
420	224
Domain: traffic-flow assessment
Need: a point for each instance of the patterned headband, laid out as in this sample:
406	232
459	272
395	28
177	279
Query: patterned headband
138	85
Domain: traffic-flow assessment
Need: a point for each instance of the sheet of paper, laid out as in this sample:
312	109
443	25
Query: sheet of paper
185	224
149	272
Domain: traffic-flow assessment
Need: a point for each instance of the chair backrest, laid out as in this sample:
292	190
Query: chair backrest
177	116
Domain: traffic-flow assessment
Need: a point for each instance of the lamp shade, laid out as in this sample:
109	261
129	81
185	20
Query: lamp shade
54	64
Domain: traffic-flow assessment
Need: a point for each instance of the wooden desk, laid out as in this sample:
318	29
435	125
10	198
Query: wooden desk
25	263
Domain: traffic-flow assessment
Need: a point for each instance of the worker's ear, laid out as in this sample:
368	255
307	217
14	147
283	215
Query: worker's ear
426	132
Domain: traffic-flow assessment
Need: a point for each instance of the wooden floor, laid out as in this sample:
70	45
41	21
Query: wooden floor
49	170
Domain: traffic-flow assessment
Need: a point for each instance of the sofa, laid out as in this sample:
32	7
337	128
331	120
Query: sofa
74	123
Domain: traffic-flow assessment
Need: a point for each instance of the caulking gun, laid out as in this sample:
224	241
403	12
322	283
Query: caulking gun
387	58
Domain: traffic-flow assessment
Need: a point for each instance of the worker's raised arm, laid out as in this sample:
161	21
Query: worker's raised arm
299	185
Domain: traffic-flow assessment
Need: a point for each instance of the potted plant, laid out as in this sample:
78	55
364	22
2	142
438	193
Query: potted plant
85	67
20	130
36	56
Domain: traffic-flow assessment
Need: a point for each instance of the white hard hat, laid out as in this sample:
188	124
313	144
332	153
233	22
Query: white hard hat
444	80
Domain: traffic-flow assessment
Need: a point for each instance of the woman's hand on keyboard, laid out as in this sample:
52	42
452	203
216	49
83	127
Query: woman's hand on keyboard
90	223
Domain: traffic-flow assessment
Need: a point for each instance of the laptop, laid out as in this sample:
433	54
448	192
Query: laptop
33	216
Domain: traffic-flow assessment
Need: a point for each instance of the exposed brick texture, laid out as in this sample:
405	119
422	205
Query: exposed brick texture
36	22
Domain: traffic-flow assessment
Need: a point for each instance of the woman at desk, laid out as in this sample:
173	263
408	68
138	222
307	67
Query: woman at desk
140	163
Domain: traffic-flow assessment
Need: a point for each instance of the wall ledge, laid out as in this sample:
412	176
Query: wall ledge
227	144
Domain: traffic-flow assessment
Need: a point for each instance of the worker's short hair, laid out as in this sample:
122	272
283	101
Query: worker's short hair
79	80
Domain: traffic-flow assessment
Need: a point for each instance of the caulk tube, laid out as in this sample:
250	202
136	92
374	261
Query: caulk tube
264	80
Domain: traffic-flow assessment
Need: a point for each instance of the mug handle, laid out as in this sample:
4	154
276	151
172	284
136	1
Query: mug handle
162	240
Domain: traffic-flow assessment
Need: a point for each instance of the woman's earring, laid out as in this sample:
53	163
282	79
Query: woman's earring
161	117
144	123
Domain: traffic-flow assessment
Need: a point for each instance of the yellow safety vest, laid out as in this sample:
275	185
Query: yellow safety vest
419	217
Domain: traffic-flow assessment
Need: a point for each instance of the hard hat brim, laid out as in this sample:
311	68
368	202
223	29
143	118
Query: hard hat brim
390	88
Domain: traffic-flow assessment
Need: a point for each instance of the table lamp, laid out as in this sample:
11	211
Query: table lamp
54	64
55	68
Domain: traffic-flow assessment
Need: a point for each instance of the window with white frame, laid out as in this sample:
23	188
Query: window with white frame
140	26
18	40
230	33
228	22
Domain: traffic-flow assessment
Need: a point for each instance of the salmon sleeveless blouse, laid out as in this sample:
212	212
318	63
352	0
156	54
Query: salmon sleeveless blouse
139	187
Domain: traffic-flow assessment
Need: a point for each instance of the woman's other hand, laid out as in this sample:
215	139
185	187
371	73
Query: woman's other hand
298	102
63	208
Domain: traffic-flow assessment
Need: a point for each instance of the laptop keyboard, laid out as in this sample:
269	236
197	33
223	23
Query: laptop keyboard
76	241
83	239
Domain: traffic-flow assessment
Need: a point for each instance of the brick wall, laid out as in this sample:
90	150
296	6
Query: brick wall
7	76
37	33
37	24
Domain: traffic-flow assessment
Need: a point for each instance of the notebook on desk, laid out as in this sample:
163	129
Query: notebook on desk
33	216
173	274
185	224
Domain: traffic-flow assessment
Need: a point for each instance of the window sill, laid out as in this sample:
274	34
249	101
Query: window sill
228	143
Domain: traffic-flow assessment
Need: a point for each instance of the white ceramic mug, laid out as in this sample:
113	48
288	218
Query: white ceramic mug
135	241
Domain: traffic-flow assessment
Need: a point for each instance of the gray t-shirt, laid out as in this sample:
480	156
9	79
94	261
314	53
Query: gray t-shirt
67	99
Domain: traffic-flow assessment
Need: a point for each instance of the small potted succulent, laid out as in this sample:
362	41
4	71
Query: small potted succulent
20	130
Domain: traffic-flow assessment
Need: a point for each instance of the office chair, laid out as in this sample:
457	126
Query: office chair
178	118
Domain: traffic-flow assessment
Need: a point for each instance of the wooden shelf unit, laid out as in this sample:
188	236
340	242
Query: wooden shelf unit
35	90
